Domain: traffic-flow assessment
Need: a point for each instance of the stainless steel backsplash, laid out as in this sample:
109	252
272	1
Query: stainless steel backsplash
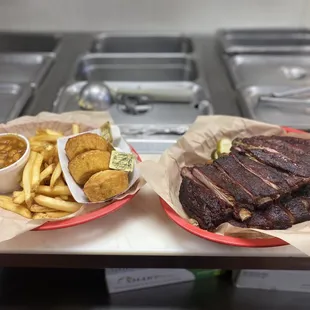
150	15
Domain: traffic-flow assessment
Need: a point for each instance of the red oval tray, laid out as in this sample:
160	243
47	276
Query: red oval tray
89	216
241	242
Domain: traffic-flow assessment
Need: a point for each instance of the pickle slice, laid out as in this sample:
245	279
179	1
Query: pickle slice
223	146
106	132
214	155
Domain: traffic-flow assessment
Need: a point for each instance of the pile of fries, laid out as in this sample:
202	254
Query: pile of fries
44	194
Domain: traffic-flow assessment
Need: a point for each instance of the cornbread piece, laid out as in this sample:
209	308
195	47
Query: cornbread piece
106	184
84	165
85	142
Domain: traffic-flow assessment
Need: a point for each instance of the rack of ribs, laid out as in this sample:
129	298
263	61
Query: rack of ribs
264	182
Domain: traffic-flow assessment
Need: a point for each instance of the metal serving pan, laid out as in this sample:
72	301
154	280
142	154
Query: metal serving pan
136	67
28	43
294	115
159	113
141	43
13	98
272	70
138	128
285	41
24	68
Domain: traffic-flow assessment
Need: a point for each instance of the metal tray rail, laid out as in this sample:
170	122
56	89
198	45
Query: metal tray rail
13	98
264	41
137	67
142	43
24	67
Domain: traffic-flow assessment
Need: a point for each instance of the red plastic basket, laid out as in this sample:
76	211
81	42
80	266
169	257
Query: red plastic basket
269	242
81	219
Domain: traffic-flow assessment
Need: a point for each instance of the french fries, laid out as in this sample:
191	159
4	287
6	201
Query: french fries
49	132
49	215
19	197
75	129
36	171
37	148
8	204
17	193
48	153
27	177
39	209
47	172
44	194
45	138
53	191
60	182
56	174
57	204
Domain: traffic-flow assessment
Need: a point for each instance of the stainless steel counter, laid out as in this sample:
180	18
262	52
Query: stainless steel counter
224	102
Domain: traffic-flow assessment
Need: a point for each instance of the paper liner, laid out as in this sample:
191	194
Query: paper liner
13	224
195	147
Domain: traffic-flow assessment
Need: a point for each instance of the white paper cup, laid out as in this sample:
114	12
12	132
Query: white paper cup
10	176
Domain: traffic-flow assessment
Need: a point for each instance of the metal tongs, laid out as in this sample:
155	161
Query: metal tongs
294	100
